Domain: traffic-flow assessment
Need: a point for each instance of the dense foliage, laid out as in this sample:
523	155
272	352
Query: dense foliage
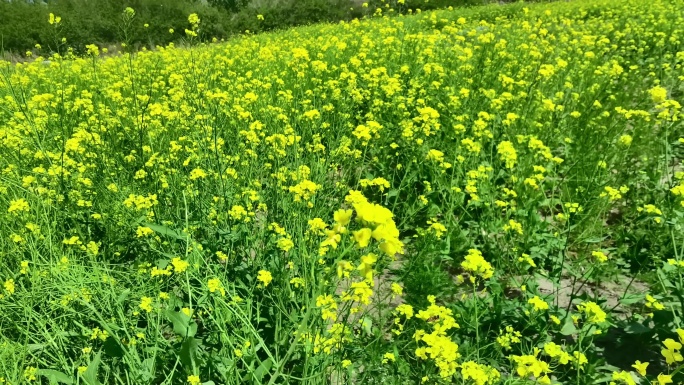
23	24
481	196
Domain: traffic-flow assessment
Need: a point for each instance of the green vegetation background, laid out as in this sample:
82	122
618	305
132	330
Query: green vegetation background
23	25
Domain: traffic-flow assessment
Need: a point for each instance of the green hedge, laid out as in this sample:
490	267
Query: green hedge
23	25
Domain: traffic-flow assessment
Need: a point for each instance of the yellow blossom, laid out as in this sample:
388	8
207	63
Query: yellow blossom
264	277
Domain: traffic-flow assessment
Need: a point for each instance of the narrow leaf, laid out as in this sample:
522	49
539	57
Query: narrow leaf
55	376
90	375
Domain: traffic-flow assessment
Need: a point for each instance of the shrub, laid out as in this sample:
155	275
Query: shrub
85	22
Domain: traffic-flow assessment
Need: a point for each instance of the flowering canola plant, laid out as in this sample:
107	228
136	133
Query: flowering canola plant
479	196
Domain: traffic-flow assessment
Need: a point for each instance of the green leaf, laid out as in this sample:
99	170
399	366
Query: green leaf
183	325
35	347
90	375
367	325
569	328
188	351
261	371
55	376
123	296
447	246
666	282
147	369
112	348
165	230
631	299
637	328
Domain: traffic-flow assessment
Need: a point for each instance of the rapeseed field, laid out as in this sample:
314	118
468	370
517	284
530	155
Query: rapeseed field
479	196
